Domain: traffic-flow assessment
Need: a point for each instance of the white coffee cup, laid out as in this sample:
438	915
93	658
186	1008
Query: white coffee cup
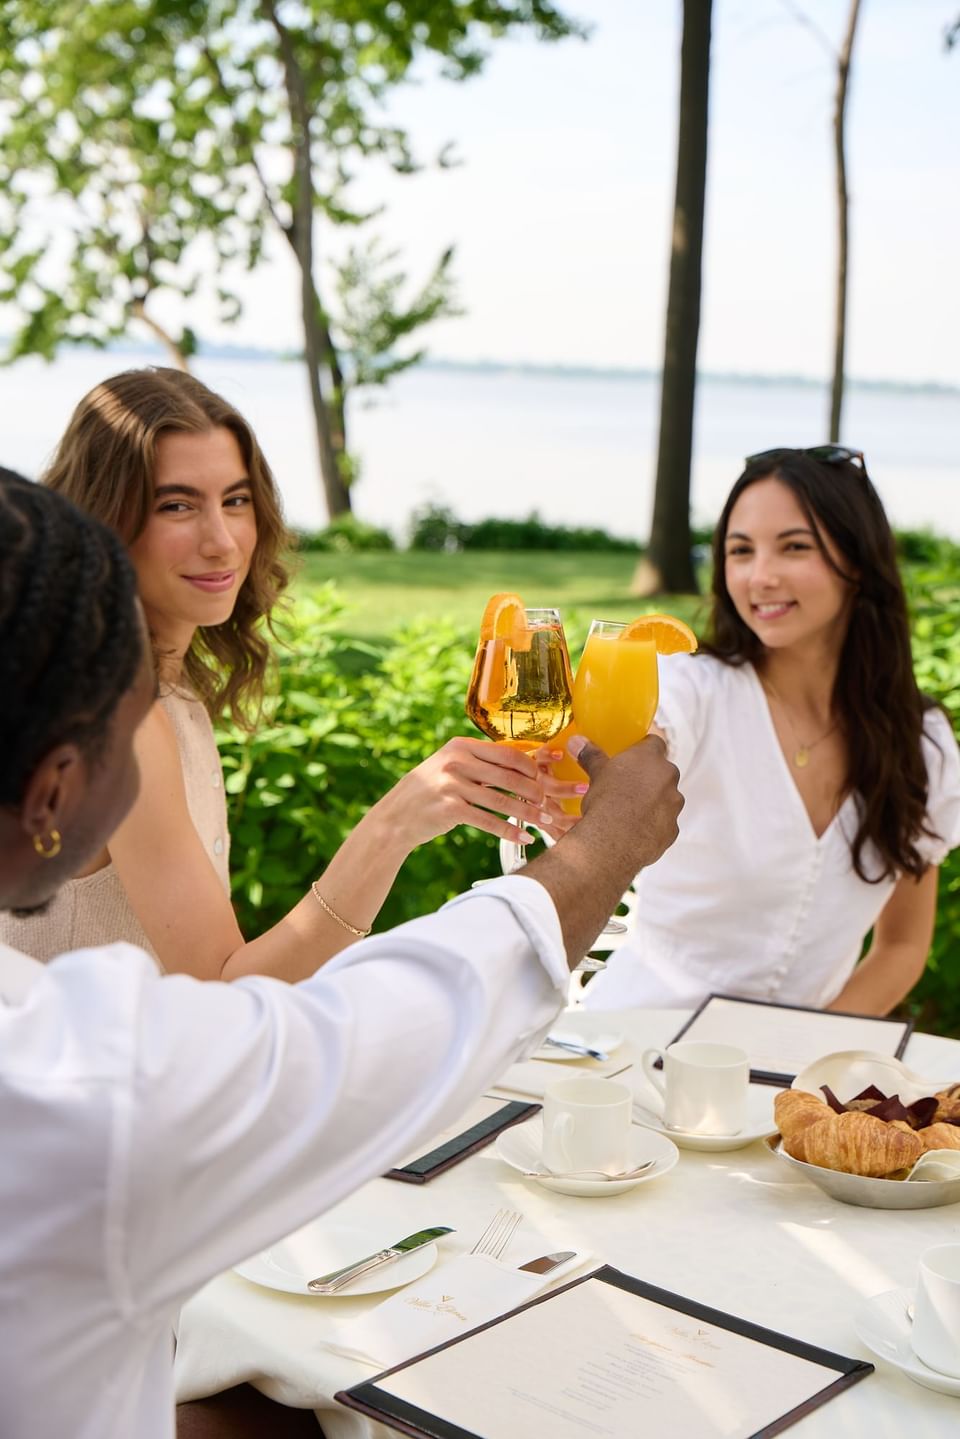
586	1125
704	1086
935	1332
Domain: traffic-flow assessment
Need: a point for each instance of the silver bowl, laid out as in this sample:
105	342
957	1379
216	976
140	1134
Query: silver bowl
871	1193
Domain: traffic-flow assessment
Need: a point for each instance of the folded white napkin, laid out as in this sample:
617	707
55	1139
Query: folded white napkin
531	1077
301	1349
454	1297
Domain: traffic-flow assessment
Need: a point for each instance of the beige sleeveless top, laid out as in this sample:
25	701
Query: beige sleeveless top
95	910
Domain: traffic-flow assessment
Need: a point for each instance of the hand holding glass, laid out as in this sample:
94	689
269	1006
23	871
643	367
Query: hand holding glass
520	691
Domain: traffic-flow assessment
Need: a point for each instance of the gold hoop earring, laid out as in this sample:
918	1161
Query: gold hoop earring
45	851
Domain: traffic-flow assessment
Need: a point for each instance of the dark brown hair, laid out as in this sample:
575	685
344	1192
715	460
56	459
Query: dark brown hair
875	694
105	464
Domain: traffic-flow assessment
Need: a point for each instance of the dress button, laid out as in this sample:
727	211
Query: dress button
218	845
215	777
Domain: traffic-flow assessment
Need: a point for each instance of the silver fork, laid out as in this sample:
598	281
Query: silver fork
498	1233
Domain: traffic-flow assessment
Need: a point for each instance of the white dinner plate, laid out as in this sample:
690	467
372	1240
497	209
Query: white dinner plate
760	1123
319	1248
521	1147
882	1325
608	1043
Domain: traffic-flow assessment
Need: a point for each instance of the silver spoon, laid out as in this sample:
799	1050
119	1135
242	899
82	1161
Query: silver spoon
588	1173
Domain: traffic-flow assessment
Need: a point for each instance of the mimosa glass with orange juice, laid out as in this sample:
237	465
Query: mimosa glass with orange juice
520	689
616	690
615	699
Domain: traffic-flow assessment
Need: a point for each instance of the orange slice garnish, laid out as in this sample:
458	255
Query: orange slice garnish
503	619
670	635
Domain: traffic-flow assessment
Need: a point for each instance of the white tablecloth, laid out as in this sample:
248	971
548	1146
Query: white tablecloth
739	1231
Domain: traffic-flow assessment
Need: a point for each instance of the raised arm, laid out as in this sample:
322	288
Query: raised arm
179	900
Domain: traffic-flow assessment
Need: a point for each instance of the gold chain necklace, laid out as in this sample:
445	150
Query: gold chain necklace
801	755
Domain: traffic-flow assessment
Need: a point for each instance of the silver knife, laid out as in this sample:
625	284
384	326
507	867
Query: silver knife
548	1262
335	1281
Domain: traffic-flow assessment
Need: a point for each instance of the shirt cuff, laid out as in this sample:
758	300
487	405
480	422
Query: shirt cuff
534	911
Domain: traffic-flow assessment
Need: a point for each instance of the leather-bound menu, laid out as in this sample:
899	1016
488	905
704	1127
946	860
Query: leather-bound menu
782	1039
610	1355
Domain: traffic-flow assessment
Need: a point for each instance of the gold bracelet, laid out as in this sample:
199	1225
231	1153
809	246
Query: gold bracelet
360	933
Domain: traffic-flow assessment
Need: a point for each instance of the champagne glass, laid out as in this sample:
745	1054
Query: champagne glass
520	691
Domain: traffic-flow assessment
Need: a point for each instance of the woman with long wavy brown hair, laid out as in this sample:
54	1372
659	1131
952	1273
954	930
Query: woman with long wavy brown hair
177	472
822	788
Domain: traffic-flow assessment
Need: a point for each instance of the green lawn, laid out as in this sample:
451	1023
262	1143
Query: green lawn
385	589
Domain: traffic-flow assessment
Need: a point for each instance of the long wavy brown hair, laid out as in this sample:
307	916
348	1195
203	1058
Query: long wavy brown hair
876	696
105	464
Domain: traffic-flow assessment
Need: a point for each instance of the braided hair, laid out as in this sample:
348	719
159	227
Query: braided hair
70	637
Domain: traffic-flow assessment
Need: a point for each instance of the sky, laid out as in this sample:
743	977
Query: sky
561	209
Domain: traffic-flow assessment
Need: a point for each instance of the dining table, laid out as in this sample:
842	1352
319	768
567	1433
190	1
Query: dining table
739	1230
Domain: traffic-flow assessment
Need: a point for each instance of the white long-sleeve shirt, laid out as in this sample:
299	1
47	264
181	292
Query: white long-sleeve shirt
155	1130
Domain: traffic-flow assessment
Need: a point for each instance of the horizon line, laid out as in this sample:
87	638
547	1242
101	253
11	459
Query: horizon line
555	369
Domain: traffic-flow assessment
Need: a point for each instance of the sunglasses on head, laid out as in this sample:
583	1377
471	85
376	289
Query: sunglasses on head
827	454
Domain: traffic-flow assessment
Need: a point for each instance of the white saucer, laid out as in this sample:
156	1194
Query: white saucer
521	1146
882	1325
318	1248
760	1123
608	1043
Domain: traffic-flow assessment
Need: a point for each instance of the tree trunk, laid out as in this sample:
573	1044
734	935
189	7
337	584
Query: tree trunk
300	236
669	565
840	320
336	492
177	358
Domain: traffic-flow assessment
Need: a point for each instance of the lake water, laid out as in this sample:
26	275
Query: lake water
581	451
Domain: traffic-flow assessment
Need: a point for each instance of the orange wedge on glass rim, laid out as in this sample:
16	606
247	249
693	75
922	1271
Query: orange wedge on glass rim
503	619
670	635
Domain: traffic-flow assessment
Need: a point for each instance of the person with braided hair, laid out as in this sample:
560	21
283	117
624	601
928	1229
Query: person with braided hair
71	649
156	1130
177	472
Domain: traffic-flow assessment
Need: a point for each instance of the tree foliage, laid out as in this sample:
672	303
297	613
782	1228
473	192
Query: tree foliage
108	175
163	139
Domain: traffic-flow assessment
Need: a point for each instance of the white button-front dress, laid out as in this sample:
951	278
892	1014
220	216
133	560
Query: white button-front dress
749	901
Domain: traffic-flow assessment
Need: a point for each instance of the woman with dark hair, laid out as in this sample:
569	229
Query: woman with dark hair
822	788
177	472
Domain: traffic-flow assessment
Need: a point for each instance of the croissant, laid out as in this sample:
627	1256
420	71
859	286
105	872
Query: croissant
948	1106
940	1136
854	1142
795	1112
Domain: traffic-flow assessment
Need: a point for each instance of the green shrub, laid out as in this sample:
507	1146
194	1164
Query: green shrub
922	547
934	595
437	528
345	534
333	741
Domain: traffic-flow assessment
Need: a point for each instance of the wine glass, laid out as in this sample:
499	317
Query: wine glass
520	691
615	697
617	688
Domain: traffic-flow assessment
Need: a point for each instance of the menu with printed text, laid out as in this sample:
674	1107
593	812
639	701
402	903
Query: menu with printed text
595	1357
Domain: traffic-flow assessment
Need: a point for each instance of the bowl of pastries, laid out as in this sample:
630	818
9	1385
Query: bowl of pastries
872	1146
